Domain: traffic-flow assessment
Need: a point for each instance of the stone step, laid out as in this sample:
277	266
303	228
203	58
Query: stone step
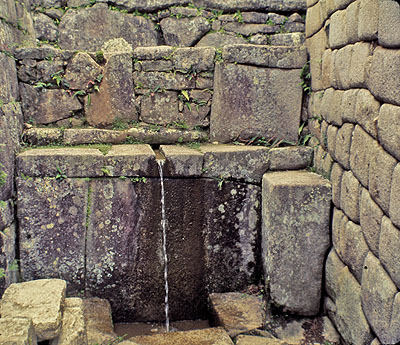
224	162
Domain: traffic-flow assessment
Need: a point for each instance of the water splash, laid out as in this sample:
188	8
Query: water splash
160	164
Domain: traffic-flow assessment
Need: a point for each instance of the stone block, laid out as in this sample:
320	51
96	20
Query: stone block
370	221
6	213
359	60
247	163
252	29
349	317
331	139
336	180
47	106
268	56
351	22
337	31
8	79
52	215
343	143
8	256
339	221
17	331
380	177
184	32
363	146
81	71
71	162
93	136
201	336
368	20
231	235
148	5
197	59
168	81
43	136
98	320
153	66
288	39
342	67
328	69
73	327
38	300
382	78
242	90
253	5
237	312
181	161
367	112
219	39
115	99
377	295
290	158
255	340
159	108
322	162
296	207
350	196
395	197
327	105
45	28
348	105
316	45
389	241
90	28
388	128
389	24
333	270
314	19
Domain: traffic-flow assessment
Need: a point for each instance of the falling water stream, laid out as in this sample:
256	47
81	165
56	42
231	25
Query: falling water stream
164	230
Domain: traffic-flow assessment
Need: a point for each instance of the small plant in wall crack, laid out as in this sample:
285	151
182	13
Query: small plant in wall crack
13	267
60	174
305	75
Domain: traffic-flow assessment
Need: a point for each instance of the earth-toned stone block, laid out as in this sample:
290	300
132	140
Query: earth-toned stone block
296	207
219	39
370	221
8	79
197	59
342	67
368	20
115	99
389	127
63	162
237	312
81	71
337	31
389	24
147	5
93	136
333	269
367	112
395	197
243	107
342	145
8	261
168	81
6	213
89	28
251	29
348	105
359	60
73	328
288	39
181	161
351	23
336	180
184	32
314	19
290	158
52	215
18	331
268	56
349	317
316	45
350	196
253	5
45	28
38	300
159	107
339	221
247	163
382	78
377	294
47	106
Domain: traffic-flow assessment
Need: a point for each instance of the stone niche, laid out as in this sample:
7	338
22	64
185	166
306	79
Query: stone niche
98	225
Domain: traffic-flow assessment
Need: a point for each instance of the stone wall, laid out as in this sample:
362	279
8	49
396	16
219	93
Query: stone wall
16	27
354	112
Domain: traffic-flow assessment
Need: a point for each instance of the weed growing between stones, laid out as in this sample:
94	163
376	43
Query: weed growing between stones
305	75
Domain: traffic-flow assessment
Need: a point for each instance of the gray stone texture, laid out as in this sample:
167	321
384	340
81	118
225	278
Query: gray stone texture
198	59
8	79
383	81
339	221
251	29
147	5
181	161
342	67
242	90
331	134
115	99
363	147
93	136
247	163
8	261
89	28
44	106
377	294
367	112
316	45
314	20
17	331
322	162
351	24
350	196
219	39
337	30
368	20
333	269
349	317
359	60
82	72
290	158
328	69
343	144
296	208
268	56
71	162
184	32
381	169
348	105
271	5
389	241
6	213
159	108
370	221
395	197
389	128
45	28
336	180
39	300
237	312
389	24
56	223
288	39
168	81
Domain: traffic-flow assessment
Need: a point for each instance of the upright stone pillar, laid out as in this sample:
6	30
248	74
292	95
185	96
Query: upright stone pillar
295	238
